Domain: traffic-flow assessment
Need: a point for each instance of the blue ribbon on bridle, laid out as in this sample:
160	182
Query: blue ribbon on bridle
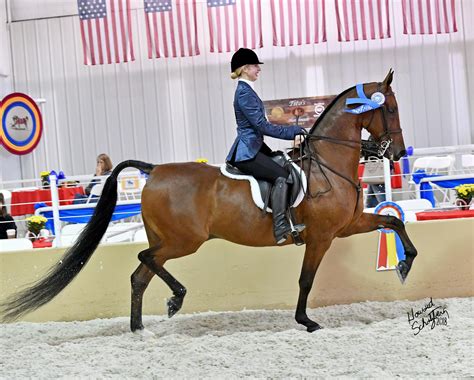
366	104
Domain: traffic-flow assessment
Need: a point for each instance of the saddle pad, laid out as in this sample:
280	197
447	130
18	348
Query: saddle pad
255	189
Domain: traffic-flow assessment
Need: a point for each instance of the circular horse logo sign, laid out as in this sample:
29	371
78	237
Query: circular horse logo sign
22	124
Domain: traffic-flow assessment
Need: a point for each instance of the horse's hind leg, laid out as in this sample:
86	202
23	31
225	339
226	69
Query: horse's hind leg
140	280
154	259
312	258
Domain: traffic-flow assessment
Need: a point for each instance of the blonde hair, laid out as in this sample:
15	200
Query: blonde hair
237	73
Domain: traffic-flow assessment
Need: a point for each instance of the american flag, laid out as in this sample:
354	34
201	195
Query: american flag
234	24
106	31
362	19
429	16
298	22
171	28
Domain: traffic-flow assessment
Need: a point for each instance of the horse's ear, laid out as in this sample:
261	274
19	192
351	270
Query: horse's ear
388	79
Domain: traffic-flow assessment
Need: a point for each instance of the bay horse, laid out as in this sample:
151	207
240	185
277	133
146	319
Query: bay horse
186	204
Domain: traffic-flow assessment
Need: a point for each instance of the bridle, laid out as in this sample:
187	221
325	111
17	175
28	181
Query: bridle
386	138
308	151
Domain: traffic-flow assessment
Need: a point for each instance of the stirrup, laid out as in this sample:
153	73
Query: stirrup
291	218
295	233
299	227
297	238
295	230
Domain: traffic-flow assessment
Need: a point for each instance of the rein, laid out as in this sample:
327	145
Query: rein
312	155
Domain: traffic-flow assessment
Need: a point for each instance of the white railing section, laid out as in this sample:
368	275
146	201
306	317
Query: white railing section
450	163
130	184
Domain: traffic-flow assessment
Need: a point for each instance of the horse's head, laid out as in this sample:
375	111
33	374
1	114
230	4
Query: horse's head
383	123
376	110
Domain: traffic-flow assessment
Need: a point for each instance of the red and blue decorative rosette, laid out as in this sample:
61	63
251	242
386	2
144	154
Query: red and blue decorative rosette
390	248
22	124
389	208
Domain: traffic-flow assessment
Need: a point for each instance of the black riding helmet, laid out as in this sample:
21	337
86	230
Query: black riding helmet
242	57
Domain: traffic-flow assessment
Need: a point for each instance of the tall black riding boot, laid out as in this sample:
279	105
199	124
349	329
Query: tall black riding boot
281	226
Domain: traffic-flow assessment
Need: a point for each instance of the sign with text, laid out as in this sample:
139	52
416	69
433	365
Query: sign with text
285	111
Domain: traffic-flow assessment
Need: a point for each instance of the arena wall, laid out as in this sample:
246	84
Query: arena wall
180	109
223	276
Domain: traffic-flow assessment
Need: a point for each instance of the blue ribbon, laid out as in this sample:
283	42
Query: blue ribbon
366	103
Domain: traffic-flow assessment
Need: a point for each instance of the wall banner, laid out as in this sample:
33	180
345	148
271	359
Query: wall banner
22	124
285	111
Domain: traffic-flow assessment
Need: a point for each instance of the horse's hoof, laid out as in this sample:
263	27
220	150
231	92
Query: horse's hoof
402	270
174	304
313	327
137	327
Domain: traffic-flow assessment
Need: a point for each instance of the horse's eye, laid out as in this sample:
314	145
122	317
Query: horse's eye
391	110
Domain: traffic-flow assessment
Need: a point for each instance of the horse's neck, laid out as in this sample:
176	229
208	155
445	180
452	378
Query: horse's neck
342	126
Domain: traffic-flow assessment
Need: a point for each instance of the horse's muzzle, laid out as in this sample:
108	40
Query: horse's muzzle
399	155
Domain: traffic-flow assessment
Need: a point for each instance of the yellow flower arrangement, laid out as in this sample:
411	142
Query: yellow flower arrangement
36	223
202	160
465	191
44	175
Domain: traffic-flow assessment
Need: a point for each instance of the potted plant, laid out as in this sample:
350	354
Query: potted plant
44	179
35	224
464	194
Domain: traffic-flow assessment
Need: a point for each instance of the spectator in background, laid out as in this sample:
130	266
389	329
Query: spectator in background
375	191
375	194
6	220
103	167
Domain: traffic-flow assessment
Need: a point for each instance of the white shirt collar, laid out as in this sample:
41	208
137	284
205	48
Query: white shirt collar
250	83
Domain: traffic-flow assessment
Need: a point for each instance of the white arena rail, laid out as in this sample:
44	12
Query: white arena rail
453	162
130	184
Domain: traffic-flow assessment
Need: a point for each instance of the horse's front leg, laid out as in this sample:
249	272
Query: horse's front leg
312	258
370	222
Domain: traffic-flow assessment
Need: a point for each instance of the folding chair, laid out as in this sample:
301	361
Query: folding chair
96	191
440	165
467	163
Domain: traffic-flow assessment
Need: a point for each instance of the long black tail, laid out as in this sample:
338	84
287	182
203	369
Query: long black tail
76	257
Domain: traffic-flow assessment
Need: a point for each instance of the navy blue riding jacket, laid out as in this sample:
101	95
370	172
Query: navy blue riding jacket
252	125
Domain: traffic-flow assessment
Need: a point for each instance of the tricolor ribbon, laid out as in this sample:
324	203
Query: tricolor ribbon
390	248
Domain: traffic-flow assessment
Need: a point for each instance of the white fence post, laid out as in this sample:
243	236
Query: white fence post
55	204
387	178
